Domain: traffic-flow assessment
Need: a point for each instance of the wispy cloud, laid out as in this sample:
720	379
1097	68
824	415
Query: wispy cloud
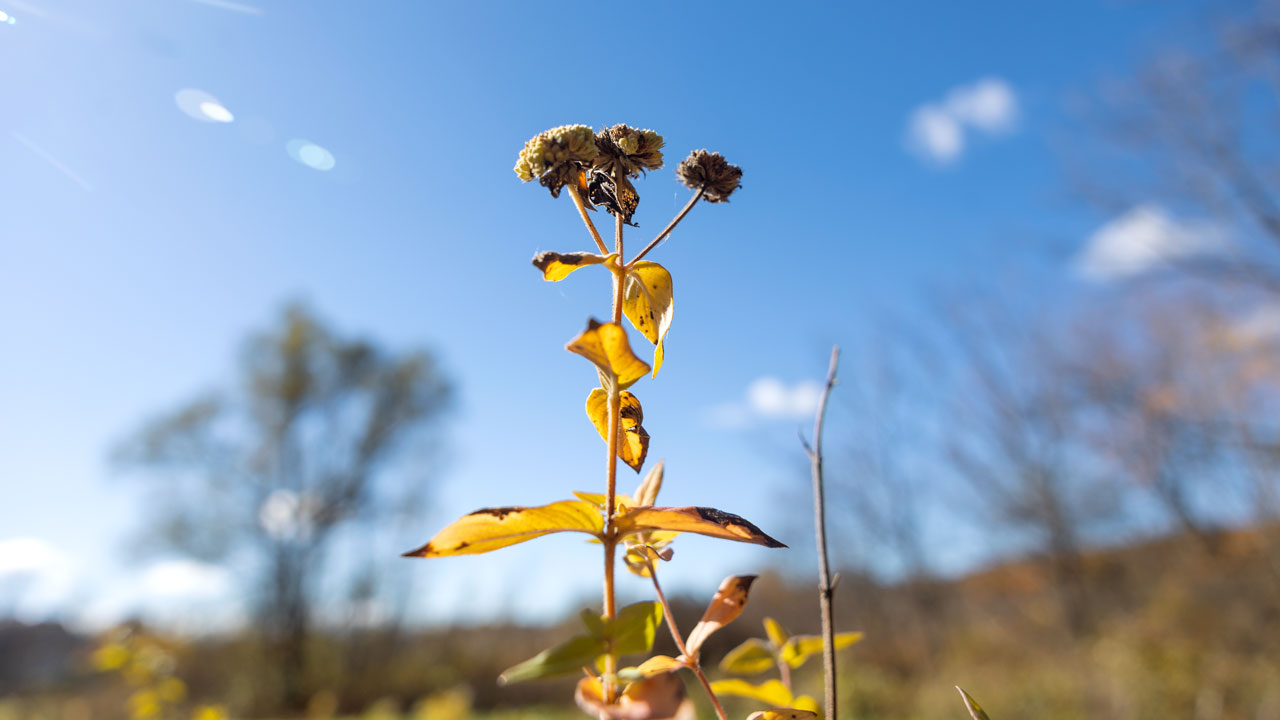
767	398
1143	239
938	131
232	6
55	162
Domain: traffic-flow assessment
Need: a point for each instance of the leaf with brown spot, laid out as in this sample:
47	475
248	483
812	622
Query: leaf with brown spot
633	441
648	301
493	528
771	692
725	606
699	520
607	347
557	266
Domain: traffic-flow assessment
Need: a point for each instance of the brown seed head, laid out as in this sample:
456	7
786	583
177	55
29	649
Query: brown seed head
710	171
557	157
628	150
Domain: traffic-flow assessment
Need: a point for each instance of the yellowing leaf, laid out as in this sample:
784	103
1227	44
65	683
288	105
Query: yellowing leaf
699	520
975	710
568	657
493	528
772	692
783	714
648	304
598	499
647	493
654	698
726	605
750	658
656	665
777	634
633	441
557	266
798	648
607	347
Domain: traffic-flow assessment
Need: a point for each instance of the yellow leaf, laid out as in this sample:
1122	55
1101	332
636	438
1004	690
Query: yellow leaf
783	714
607	347
699	520
493	528
772	692
806	703
557	266
975	710
726	605
633	441
656	665
750	658
798	648
648	303
777	634
647	493
598	499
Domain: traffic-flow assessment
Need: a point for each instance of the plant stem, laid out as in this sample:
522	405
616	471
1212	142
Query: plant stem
825	589
610	532
586	219
670	226
692	662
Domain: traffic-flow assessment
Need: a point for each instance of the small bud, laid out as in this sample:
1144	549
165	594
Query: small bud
709	171
628	150
557	157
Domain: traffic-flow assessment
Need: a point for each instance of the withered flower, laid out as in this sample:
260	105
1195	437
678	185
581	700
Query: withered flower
557	157
710	171
628	150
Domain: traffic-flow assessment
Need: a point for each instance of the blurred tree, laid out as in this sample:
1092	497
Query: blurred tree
273	470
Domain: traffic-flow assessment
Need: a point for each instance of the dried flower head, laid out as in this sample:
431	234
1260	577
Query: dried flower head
628	150
557	157
709	171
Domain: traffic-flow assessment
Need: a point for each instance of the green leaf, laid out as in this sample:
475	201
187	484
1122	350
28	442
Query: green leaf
799	648
491	528
648	303
750	658
975	710
569	657
557	266
635	627
771	692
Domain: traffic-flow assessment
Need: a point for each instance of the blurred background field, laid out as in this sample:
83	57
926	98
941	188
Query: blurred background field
270	323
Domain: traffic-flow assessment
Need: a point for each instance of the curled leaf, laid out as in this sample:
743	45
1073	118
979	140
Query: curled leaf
799	648
699	520
660	697
641	558
633	441
648	303
647	493
750	658
783	714
725	606
607	347
557	266
493	528
975	710
772	692
656	665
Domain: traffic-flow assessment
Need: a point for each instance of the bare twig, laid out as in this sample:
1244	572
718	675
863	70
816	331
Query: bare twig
691	662
825	587
670	226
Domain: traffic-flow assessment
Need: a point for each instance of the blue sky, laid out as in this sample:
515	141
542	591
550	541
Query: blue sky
140	245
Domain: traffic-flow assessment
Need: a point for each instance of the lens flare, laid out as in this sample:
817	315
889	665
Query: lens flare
202	106
310	154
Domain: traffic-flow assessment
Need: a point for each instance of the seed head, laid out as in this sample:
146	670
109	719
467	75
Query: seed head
710	171
557	157
628	150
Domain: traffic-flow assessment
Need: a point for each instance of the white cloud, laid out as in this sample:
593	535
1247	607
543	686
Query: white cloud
937	131
184	580
1142	239
767	398
36	578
